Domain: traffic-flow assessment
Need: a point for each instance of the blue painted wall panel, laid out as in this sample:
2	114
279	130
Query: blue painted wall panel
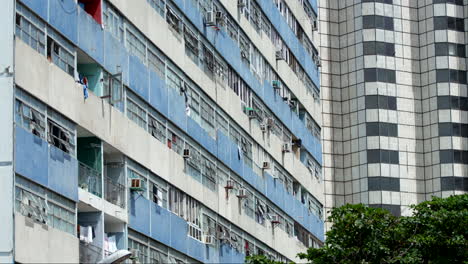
158	93
139	213
63	173
139	79
115	56
31	153
211	255
176	109
223	147
63	16
179	231
225	254
196	249
237	257
90	36
160	224
39	7
235	163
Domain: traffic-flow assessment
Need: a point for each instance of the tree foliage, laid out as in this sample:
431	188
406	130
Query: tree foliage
260	259
437	232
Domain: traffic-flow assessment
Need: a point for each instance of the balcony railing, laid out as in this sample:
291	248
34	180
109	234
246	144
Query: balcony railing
89	179
114	192
90	253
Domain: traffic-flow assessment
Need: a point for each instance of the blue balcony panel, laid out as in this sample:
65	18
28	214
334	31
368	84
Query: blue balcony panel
39	7
90	36
63	16
139	213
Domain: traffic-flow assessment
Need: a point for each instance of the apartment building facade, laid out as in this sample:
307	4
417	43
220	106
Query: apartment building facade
394	97
183	130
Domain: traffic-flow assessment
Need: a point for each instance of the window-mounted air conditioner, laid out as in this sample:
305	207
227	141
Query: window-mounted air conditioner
297	142
186	154
266	165
251	113
314	25
229	184
276	84
210	18
136	184
241	193
292	103
275	219
318	61
287	147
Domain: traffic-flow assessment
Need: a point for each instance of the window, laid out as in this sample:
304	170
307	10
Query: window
248	203
455	2
60	52
381	129
449	23
453	129
222	124
454	184
175	142
453	156
449	75
393	209
157	257
382	156
450	49
194	163
173	80
209	174
60	137
135	112
379	48
156	62
29	118
377	22
140	248
30	29
157	129
208	118
379	75
173	20
390	2
452	102
113	22
383	184
176	201
44	206
136	44
158	5
191	44
158	191
134	171
381	102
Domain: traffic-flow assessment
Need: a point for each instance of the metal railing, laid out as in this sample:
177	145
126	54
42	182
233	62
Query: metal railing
114	192
90	253
89	179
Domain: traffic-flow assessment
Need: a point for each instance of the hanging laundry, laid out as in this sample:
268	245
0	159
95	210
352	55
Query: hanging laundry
111	244
239	152
187	110
85	87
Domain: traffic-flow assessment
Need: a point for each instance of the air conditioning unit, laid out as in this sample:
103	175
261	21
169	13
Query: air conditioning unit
241	3
263	127
315	96
314	25
229	184
251	113
287	147
135	185
241	193
318	61
270	122
279	55
134	254
275	219
186	154
210	18
210	240
266	165
276	84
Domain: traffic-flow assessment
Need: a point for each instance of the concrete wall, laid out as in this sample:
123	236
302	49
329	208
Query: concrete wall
35	243
6	132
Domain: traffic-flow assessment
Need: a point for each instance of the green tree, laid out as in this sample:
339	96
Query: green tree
260	259
436	232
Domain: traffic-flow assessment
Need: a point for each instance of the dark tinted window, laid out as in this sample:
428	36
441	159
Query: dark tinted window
379	75
450	23
380	22
378	1
450	75
450	49
452	102
393	209
454	184
382	156
383	184
381	102
455	2
381	129
453	156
